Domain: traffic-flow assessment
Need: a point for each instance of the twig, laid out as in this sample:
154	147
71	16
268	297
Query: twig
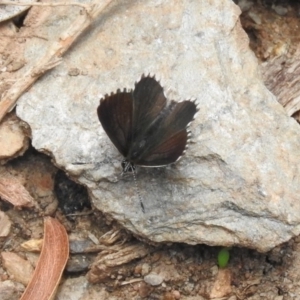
23	36
52	57
132	281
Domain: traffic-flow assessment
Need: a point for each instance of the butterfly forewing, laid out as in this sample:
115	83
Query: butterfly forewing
115	115
148	102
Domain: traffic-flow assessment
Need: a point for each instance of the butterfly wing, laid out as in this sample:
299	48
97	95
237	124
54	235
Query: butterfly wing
166	141
168	152
148	103
143	128
115	115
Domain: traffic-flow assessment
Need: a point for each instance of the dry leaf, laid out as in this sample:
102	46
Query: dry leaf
5	224
14	192
33	245
17	267
52	261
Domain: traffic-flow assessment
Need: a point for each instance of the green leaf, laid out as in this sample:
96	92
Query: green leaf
223	257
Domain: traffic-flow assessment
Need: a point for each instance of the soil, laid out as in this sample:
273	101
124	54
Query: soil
178	271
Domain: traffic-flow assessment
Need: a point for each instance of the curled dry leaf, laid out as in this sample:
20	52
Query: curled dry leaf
14	192
52	261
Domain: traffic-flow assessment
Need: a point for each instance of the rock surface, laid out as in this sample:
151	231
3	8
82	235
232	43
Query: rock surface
238	183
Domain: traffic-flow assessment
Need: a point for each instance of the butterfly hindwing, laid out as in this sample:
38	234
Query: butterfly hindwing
167	152
167	135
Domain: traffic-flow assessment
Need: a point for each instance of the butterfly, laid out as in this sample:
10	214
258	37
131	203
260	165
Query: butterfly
147	130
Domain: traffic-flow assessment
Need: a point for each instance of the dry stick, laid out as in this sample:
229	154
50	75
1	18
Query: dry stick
52	57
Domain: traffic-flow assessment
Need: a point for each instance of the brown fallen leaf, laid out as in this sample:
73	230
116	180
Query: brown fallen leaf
52	261
5	225
14	192
17	267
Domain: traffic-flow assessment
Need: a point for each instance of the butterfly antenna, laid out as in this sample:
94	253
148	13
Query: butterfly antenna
137	189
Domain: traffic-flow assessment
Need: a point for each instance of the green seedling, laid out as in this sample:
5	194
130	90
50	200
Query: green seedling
223	257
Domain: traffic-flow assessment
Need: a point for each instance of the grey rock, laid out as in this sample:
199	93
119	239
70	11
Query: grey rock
80	246
153	279
245	5
79	263
238	183
80	289
280	10
10	290
189	287
8	12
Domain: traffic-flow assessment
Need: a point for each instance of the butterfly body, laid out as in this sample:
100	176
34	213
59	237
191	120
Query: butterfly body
146	129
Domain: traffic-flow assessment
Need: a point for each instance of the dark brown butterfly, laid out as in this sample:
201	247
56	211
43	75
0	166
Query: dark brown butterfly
146	130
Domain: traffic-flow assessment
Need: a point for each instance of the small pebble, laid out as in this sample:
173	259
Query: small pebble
176	294
280	10
245	5
145	269
214	270
138	270
153	279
